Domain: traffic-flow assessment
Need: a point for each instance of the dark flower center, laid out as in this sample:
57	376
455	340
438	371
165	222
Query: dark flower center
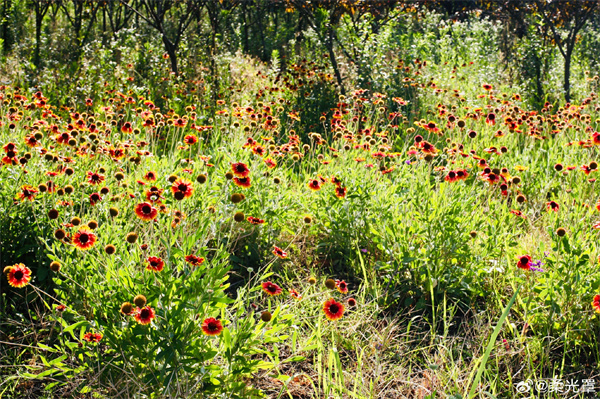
83	238
182	187
271	288
333	308
146	209
524	260
212	326
19	274
452	175
145	313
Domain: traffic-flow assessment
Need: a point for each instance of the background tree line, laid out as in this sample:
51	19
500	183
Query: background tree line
532	35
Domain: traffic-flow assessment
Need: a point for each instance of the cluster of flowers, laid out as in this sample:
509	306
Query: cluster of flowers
333	309
80	136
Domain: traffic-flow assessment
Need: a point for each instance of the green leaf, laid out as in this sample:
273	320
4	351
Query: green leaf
294	359
226	338
72	327
47	348
491	345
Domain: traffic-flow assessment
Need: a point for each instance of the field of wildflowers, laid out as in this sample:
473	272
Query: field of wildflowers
434	237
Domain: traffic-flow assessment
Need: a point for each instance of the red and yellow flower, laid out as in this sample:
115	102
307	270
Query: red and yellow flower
146	211
194	260
27	193
451	177
333	309
342	286
212	327
314	184
295	294
190	139
280	253
242	182
150	176
255	220
84	239
92	337
340	192
18	275
155	264
95	198
524	262
154	194
240	169
144	315
271	289
95	178
552	206
596	303
270	162
184	187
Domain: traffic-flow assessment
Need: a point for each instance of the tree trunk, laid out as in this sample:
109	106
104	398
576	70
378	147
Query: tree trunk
213	16
172	51
539	89
567	82
299	35
263	51
245	42
334	64
104	34
213	67
38	38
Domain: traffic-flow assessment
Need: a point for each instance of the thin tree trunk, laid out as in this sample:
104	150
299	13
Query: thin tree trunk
245	43
38	38
213	67
334	64
539	90
213	16
567	82
172	51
